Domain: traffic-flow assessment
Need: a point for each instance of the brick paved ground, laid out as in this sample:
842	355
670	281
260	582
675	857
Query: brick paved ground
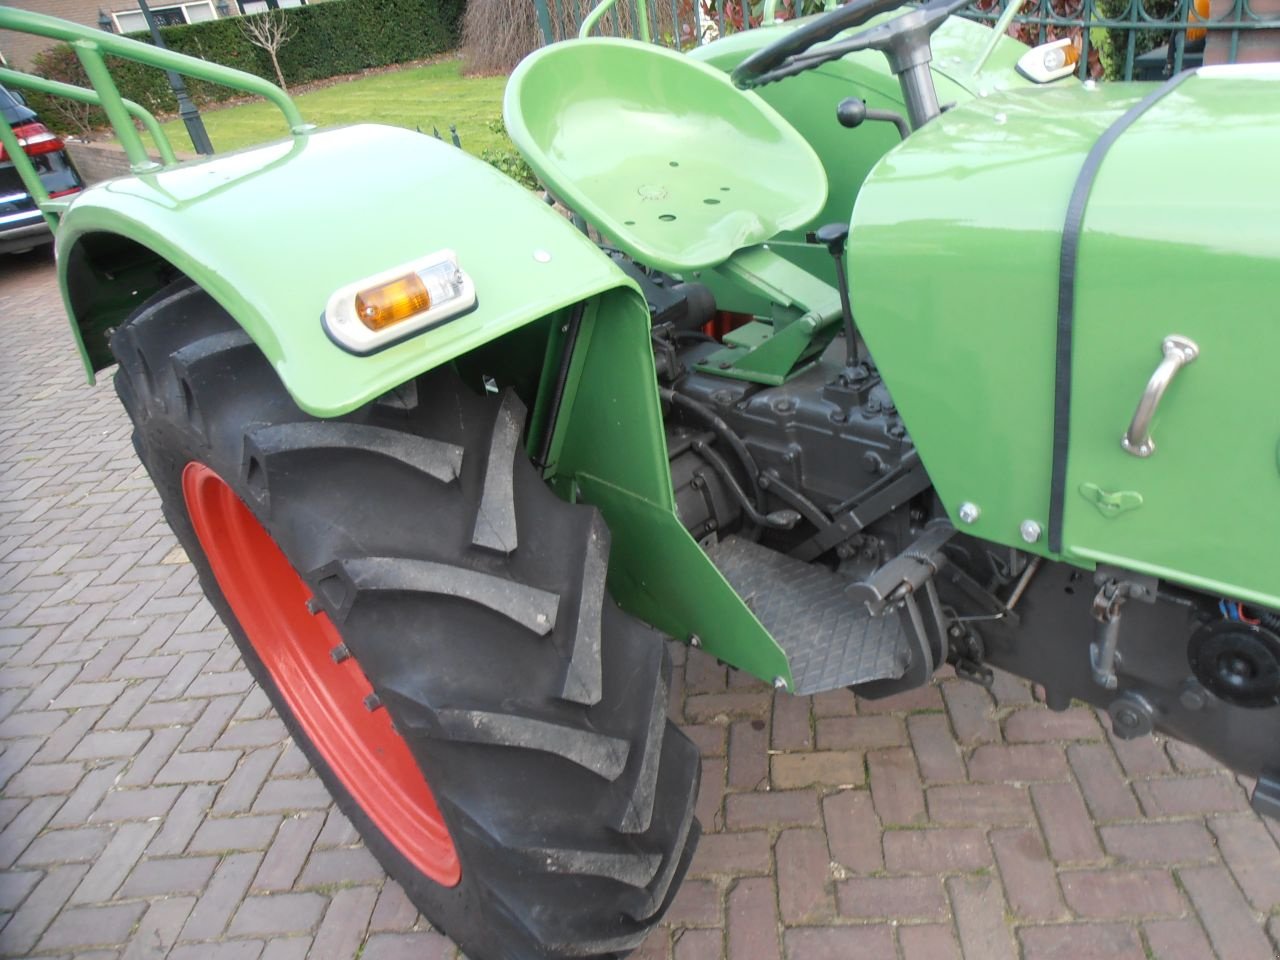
152	806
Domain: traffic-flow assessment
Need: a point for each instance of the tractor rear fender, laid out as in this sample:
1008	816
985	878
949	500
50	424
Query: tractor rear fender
271	232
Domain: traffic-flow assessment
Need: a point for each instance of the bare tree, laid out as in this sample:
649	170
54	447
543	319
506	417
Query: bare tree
270	31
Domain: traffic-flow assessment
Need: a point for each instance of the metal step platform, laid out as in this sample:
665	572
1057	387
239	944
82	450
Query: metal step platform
830	640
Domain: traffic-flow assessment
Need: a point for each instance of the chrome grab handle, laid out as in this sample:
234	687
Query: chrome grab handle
1178	352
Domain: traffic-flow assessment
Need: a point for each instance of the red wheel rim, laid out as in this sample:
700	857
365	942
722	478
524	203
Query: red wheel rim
360	746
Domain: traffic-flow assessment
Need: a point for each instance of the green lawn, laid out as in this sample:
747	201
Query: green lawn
435	95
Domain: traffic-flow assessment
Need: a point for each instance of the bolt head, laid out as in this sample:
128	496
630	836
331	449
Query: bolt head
1030	530
970	512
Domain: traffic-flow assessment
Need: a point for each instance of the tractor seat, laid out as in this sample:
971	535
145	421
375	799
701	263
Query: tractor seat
661	153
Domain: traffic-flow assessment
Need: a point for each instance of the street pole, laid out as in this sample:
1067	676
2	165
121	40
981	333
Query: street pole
186	109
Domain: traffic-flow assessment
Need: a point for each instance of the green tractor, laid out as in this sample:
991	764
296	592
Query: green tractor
876	342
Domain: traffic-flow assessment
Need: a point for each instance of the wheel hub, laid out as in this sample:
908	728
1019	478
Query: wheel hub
322	683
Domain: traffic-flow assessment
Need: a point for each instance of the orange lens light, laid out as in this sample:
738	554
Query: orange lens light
388	303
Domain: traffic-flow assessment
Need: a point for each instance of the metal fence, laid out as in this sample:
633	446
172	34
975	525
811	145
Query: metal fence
1117	39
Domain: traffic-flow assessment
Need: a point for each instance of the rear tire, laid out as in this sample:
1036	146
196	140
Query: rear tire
473	601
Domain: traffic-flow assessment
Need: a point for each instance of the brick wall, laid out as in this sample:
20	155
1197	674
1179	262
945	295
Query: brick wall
19	48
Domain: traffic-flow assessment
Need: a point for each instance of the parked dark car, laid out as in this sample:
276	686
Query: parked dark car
22	226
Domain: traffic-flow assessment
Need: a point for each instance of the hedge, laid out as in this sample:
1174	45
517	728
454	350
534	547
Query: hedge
331	39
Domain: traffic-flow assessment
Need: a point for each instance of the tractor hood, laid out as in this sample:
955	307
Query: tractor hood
993	339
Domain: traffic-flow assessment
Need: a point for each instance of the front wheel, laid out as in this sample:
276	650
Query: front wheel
432	624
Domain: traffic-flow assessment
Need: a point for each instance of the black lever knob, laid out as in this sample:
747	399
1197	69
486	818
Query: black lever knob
851	112
833	236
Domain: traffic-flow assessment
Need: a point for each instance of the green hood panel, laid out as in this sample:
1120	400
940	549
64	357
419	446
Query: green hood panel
271	232
954	262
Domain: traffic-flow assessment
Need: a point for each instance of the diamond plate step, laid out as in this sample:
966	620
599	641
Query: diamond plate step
830	641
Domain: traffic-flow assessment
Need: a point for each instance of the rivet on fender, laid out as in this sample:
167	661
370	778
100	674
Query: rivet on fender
1111	504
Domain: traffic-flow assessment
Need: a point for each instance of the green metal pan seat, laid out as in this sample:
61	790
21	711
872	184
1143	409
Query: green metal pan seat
659	152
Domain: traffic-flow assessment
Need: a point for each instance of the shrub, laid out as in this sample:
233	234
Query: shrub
330	39
509	161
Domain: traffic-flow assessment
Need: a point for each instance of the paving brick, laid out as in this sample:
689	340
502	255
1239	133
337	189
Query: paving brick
1178	842
1066	824
183	819
1030	882
88	694
803	868
1177	940
1071	941
995	763
698	944
711	793
704	674
853	830
1115	893
15	885
289	851
928	941
895	786
337	830
43	779
909	701
872	942
292	763
169	875
115	863
342	865
999	804
835	703
394	912
915	898
109	744
748	755
343	928
67	846
290	795
860	733
263	732
731	854
202	766
221	834
154	755
832	767
159	928
40	908
971	710
221	897
91	926
698	903
1105	790
1190	796
792	722
1231	926
779	808
424	945
1252	856
242	787
979	910
227	950
946	850
213	721
86	798
752	928
935	749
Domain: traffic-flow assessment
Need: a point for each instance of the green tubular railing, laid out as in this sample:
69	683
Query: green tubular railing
92	46
27	81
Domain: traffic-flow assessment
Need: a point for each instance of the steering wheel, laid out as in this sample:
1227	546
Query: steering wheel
904	41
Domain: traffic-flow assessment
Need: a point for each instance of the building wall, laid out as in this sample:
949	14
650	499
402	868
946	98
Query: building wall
19	48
